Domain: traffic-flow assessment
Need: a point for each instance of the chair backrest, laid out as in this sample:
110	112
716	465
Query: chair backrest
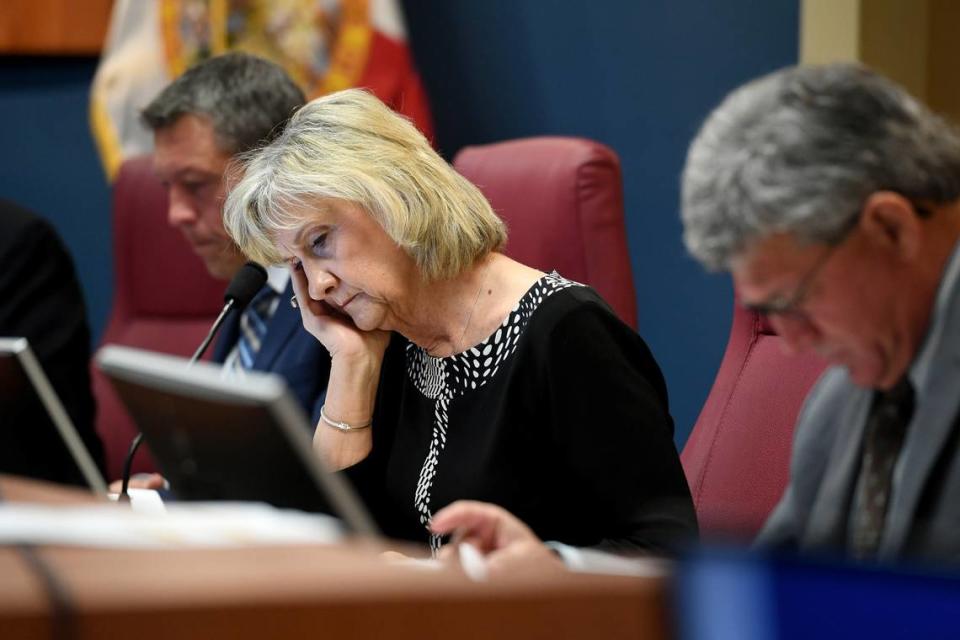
562	201
163	299
737	457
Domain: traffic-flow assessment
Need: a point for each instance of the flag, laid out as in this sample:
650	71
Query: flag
325	46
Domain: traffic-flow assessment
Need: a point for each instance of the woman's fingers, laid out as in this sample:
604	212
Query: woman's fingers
486	526
490	541
523	557
313	313
301	289
331	327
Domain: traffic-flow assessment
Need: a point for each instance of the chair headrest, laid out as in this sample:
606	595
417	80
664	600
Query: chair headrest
562	201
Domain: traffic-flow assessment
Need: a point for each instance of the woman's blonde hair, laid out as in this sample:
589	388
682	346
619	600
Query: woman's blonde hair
350	146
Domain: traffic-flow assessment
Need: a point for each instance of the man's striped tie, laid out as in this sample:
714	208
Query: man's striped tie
253	326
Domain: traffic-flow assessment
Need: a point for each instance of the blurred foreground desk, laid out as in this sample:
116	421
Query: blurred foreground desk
299	592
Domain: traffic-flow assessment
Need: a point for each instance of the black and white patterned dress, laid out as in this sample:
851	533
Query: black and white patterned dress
553	417
444	379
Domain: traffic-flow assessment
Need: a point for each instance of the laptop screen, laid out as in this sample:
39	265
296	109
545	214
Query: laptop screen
37	437
228	439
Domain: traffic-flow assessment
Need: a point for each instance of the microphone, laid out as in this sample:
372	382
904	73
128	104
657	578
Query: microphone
242	288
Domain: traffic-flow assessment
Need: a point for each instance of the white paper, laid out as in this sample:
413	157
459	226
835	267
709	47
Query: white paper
222	524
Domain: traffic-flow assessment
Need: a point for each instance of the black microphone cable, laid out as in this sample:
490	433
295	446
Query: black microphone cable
241	290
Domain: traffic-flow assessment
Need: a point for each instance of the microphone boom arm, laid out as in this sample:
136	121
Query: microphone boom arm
213	331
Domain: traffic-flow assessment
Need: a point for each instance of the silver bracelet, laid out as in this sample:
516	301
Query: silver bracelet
342	426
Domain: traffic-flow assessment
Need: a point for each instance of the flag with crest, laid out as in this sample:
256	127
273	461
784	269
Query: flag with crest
325	46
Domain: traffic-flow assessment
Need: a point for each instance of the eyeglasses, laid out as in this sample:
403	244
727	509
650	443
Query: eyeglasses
792	305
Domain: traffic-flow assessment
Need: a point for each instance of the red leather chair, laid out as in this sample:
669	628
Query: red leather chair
562	200
163	299
737	457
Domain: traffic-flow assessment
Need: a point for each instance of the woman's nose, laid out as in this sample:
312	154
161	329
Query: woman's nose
320	283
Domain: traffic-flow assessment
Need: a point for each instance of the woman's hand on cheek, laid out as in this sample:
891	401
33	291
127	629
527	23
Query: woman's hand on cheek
334	330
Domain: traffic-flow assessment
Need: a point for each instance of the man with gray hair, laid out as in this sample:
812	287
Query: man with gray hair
221	107
833	198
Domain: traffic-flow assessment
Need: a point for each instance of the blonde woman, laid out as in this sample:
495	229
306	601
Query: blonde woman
456	372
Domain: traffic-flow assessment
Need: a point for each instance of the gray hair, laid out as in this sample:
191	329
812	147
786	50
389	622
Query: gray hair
247	99
350	146
800	150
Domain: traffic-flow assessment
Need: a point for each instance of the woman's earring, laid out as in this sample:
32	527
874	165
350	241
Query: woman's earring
293	301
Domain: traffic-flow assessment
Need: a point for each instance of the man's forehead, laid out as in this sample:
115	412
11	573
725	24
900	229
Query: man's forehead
183	166
773	247
190	127
189	144
771	258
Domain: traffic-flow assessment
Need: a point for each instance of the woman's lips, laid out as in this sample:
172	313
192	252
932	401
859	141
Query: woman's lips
349	300
340	307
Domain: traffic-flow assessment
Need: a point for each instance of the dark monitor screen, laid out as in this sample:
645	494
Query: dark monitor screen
227	439
37	437
219	449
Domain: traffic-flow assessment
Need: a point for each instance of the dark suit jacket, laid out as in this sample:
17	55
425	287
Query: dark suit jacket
923	518
42	301
287	350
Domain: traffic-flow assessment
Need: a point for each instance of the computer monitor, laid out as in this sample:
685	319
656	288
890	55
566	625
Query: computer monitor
239	438
23	384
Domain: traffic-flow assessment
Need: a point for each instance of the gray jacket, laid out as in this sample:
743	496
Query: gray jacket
923	519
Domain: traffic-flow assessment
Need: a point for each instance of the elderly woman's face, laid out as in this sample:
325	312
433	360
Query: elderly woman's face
350	263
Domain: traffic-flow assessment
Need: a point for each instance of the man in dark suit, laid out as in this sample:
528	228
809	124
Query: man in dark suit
43	303
219	108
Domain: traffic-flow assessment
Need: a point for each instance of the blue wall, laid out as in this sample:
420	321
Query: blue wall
50	164
637	75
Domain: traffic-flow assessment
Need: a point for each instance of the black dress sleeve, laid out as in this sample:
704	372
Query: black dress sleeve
610	422
41	300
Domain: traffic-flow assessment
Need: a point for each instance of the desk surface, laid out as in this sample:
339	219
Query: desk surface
298	592
16	489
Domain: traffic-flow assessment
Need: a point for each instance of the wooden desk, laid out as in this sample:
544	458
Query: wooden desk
341	592
17	489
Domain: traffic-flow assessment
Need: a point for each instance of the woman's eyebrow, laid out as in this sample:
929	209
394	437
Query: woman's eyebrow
316	225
